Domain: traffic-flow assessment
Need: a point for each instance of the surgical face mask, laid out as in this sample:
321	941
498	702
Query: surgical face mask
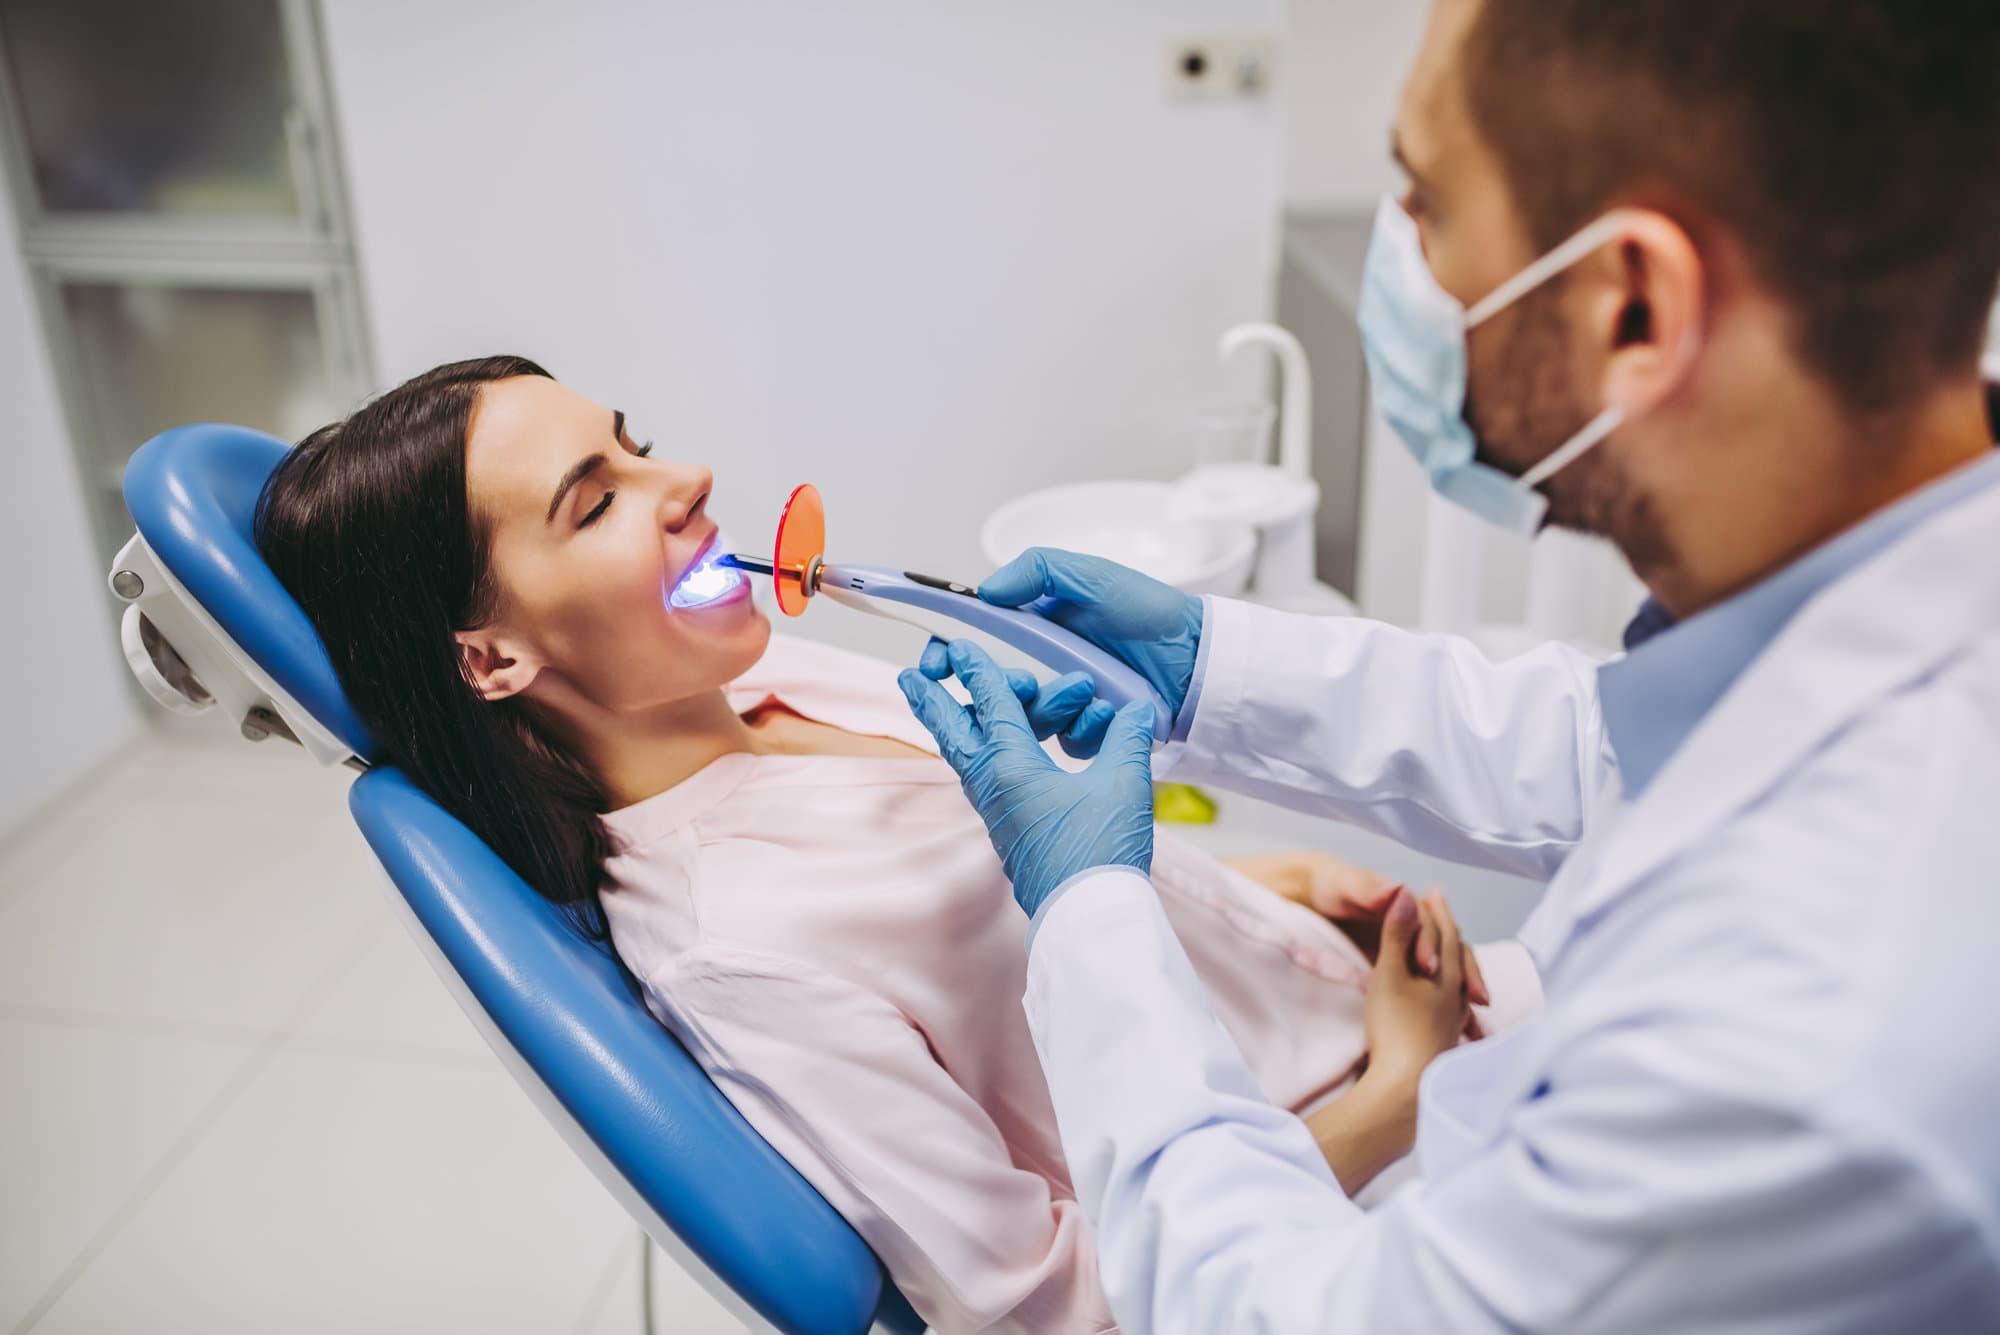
1413	333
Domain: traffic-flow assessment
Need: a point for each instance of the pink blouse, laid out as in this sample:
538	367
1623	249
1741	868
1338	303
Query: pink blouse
834	941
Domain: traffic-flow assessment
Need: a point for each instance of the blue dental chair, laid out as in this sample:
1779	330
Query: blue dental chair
208	628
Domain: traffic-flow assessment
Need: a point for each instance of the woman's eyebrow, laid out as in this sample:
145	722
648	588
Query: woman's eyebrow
578	471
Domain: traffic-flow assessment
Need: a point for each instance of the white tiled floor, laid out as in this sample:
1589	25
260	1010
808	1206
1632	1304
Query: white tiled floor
233	1098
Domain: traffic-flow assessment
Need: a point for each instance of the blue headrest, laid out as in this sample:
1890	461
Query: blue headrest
193	492
573	1014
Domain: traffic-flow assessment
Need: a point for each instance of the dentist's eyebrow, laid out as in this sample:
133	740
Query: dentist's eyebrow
578	471
1402	159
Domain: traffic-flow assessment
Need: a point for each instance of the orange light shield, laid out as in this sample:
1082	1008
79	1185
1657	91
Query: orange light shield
801	543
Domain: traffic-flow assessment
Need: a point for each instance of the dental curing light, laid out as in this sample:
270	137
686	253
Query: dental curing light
800	571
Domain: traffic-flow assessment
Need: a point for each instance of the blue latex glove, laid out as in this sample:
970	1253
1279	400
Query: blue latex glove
1067	708
1059	708
1046	823
1154	627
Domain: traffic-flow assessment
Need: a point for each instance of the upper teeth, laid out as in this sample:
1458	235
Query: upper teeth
705	581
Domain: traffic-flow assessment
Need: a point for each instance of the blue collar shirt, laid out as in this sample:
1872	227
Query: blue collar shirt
1673	673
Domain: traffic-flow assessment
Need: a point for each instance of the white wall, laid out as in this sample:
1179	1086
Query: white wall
926	256
64	705
1344	66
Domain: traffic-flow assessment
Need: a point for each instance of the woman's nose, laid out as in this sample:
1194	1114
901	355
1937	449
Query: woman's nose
686	490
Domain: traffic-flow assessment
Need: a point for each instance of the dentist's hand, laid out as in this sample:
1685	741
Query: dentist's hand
1064	707
1046	824
1154	627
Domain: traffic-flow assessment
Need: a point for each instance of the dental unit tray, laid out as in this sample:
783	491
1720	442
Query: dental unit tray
800	571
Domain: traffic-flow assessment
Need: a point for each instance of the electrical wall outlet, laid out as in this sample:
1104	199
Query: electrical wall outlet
1215	68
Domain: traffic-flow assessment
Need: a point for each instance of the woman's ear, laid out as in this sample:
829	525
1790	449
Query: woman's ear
1657	313
498	668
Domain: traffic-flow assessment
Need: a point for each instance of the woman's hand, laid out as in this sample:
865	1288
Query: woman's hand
1354	899
1323	883
1351	897
1409	1017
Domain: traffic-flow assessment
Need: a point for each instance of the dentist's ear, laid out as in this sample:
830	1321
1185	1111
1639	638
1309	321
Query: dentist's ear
497	668
1652	314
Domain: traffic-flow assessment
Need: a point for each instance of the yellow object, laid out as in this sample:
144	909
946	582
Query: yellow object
1182	804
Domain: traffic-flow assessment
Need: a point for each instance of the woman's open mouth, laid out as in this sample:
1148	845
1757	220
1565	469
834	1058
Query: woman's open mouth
706	581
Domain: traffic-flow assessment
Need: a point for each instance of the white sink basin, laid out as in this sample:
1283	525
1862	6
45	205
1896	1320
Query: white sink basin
1127	522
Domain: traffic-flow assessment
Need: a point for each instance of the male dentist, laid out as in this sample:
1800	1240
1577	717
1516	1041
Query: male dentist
1706	278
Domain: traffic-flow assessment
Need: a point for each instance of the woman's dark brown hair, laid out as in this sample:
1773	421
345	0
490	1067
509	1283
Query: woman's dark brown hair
368	525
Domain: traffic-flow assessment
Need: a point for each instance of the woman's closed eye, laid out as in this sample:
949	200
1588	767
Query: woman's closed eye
597	510
604	502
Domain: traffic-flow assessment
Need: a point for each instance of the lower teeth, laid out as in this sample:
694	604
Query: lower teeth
704	584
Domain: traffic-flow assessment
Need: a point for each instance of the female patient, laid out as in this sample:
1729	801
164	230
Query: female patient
498	570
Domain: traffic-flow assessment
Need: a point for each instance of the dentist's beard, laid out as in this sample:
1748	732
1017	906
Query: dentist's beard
1523	403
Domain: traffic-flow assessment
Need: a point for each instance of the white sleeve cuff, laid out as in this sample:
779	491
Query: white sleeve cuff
1221	620
1041	914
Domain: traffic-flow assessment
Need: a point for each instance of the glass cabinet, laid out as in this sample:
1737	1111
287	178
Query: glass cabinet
183	217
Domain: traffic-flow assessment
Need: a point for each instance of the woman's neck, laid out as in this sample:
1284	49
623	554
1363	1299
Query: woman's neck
637	756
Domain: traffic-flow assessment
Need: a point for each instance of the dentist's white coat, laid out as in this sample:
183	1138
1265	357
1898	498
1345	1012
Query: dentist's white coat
1765	1091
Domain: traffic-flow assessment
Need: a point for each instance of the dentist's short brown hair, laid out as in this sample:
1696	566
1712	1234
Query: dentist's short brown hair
1851	148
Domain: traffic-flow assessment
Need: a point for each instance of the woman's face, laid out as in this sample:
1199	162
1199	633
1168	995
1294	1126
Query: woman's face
602	557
